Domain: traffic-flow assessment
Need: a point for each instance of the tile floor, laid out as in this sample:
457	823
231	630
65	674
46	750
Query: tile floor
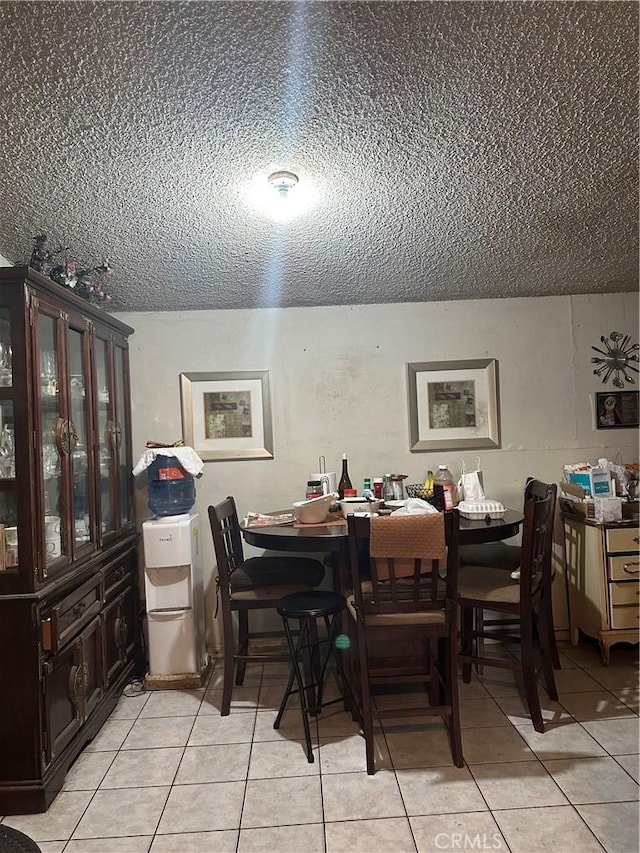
167	773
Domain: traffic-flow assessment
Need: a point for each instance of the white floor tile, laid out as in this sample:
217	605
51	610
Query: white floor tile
517	785
202	808
282	802
440	790
592	780
614	824
461	831
301	837
357	796
551	828
384	835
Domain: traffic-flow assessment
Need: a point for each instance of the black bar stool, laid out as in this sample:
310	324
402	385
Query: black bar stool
307	607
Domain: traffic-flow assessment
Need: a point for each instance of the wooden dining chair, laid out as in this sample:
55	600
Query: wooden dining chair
525	603
243	585
500	555
405	616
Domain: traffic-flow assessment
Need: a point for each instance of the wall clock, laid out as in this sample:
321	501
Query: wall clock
617	360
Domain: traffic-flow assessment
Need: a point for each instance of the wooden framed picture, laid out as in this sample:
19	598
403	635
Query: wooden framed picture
453	405
227	415
616	409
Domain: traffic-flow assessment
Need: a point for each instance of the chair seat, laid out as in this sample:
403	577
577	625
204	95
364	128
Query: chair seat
479	583
311	605
390	620
277	571
269	594
496	555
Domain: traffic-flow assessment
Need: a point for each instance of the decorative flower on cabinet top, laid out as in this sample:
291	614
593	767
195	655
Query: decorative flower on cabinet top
617	359
84	282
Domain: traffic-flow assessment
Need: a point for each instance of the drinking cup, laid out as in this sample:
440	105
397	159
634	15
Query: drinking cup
52	546
51	527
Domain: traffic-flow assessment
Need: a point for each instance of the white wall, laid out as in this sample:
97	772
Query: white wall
338	385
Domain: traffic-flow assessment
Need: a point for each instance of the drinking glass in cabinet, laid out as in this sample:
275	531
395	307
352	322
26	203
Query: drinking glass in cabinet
48	368
5	364
7	453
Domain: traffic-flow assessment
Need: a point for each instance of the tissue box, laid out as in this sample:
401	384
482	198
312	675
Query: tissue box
608	509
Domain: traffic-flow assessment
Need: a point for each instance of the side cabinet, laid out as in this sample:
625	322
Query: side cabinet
68	544
602	572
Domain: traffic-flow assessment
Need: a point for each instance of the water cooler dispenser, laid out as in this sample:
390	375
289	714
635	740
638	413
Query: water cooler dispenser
174	602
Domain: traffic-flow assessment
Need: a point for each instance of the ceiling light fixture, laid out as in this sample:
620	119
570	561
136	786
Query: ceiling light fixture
283	182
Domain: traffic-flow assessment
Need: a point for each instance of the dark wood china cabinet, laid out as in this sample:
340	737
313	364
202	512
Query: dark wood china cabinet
68	544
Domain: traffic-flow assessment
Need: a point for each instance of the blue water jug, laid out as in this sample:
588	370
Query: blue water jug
172	490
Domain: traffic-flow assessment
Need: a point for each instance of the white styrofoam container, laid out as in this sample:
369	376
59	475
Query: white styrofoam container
481	509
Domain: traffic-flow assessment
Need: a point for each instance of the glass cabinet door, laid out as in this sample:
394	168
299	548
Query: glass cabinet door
123	449
84	526
56	440
8	510
106	495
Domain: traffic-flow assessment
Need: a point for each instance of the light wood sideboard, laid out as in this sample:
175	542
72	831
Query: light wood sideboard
603	587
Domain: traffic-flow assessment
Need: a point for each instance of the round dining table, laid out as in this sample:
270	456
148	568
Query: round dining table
333	536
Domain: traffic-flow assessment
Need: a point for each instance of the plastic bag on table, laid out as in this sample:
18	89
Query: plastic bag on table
470	487
415	506
619	473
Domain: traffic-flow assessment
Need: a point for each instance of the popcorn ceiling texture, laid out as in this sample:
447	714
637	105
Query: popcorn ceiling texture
458	150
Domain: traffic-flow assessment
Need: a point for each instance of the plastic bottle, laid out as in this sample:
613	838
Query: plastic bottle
172	490
345	480
367	491
444	477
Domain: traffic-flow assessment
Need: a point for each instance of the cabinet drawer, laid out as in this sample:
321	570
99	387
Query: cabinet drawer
625	617
625	593
624	567
117	576
71	614
623	539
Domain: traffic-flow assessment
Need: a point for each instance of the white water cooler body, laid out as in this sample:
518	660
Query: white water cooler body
174	595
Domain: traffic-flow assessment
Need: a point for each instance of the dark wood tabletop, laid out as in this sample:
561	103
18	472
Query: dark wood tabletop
333	537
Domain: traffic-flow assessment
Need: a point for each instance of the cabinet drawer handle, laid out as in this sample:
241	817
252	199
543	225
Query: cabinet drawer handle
79	609
627	568
636	539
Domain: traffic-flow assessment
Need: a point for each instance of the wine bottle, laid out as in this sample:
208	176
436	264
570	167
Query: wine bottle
345	480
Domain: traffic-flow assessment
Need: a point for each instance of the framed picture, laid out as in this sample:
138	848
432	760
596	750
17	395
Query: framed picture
453	405
616	409
227	416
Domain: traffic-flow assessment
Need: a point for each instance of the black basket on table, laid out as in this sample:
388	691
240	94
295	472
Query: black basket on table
433	496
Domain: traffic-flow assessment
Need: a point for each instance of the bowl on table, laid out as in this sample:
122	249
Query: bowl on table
349	505
315	510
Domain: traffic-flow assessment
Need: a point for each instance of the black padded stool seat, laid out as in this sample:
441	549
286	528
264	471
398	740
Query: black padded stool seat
13	841
307	607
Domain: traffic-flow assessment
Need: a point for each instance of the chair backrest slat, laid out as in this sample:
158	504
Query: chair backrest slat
227	539
537	540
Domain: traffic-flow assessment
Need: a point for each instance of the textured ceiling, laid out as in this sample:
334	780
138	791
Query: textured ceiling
455	150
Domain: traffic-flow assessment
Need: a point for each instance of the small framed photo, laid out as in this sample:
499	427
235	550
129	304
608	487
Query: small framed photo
616	409
227	416
453	405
